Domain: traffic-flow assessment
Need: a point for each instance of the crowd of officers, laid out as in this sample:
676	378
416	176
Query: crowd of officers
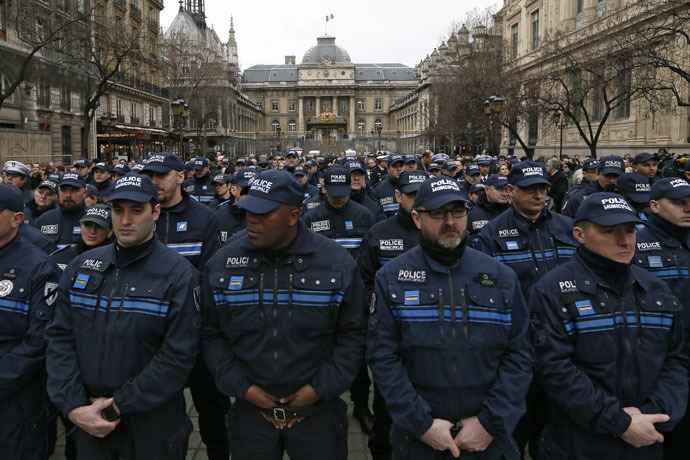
503	307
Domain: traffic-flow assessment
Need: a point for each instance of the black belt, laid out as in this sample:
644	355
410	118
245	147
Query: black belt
283	413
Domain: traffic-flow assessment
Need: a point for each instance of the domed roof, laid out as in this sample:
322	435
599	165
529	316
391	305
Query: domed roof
325	48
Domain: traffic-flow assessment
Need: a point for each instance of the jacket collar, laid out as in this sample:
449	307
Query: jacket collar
587	282
525	225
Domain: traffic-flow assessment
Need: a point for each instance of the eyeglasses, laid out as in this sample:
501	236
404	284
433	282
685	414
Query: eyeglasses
442	212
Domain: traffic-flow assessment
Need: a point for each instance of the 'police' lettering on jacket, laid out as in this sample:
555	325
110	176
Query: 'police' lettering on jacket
651	246
508	232
567	286
93	264
321	226
412	276
237	262
49	229
391	245
479	224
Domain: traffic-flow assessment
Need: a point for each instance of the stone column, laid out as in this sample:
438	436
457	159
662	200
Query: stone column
352	124
335	105
589	10
300	120
317	107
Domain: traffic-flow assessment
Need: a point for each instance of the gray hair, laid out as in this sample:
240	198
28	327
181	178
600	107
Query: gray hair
555	163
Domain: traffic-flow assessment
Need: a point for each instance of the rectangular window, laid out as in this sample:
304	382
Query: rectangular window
343	107
274	105
533	127
66	141
326	106
291	106
4	85
514	41
3	20
43	95
576	92
378	105
361	105
535	29
66	99
310	106
598	88
623	92
579	13
152	116
259	105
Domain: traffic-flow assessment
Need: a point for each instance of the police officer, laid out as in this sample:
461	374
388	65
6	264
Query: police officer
472	176
589	174
608	343
359	192
221	183
340	218
377	172
101	179
18	174
494	201
635	188
292	161
231	219
384	192
447	340
96	231
27	292
433	169
663	249
284	332
125	336
119	170
476	190
301	174
381	244
199	186
44	200
610	168
61	224
83	167
646	164
190	228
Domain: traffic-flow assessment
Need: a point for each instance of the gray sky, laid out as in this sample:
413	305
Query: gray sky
402	31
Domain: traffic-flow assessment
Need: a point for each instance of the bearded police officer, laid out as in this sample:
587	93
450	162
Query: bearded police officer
61	225
125	336
382	243
284	332
663	249
609	344
447	340
28	283
190	228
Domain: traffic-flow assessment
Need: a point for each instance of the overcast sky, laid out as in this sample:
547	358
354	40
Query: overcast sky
394	31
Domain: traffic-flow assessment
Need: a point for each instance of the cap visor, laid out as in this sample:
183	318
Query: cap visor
257	205
396	161
100	222
157	167
198	168
639	197
71	182
442	200
338	190
139	197
615	219
411	188
606	171
526	182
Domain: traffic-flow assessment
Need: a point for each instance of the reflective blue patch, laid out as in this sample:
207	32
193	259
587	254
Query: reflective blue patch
512	245
411	297
76	230
655	261
81	281
236	283
584	307
204	187
182	226
348	225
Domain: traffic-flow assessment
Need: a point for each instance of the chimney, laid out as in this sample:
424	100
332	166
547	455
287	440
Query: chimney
289	60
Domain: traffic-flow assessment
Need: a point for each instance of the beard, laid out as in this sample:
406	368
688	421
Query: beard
449	241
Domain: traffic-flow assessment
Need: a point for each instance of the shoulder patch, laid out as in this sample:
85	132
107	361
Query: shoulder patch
50	293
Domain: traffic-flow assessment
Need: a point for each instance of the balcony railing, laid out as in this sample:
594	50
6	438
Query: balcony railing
121	3
65	106
134	120
135	12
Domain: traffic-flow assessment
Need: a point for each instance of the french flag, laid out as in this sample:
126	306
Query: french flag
329	17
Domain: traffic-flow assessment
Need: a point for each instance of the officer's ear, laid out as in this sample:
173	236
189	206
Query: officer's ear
654	206
510	188
417	219
17	219
180	177
398	196
294	215
156	208
579	231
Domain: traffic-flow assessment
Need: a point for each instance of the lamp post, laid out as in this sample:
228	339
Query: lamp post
493	107
180	111
378	128
561	121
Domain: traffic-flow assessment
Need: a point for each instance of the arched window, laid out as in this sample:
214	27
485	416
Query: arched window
292	127
275	125
378	125
361	127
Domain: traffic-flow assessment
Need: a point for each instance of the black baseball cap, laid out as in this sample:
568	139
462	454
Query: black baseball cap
291	153
644	156
590	164
607	210
355	166
243	176
674	188
98	214
449	165
73	179
439	191
611	165
497	180
410	159
410	181
392	159
269	189
163	162
52	185
635	186
221	179
82	163
200	164
527	173
299	171
134	187
11	198
478	187
121	169
337	181
472	169
103	166
433	167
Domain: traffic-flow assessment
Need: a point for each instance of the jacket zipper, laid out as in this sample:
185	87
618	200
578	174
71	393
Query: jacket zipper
555	251
441	315
105	332
453	326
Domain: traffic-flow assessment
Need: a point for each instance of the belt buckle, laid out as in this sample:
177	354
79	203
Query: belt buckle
279	414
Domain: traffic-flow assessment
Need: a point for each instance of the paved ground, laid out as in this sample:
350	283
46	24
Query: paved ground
357	441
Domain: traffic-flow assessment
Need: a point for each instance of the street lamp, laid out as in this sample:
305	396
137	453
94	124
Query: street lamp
180	111
378	127
492	110
561	121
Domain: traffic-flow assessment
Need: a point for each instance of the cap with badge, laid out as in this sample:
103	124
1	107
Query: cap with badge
200	164
635	186
72	178
433	167
98	214
355	166
310	164
483	160
243	176
299	171
269	189
439	191
590	164
121	168
82	163
449	165
392	159
291	153
611	165
410	159
221	179
15	167
134	187
497	180
55	177
337	181
49	184
410	181
527	173
163	162
11	198
673	188
644	156
607	210
103	166
440	158
478	187
472	169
